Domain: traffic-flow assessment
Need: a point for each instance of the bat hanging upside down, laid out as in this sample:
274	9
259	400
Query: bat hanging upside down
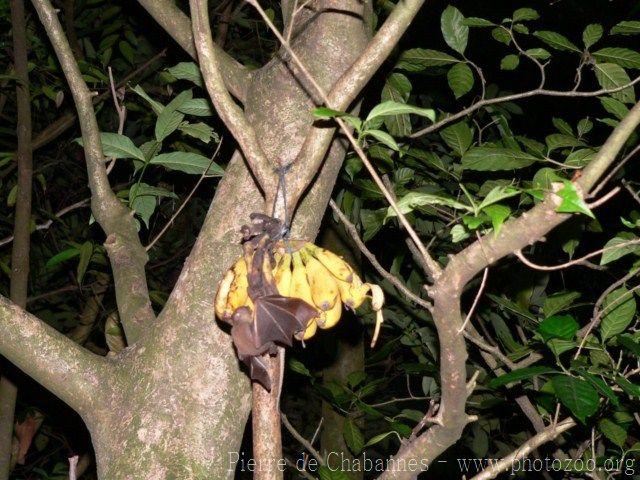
274	319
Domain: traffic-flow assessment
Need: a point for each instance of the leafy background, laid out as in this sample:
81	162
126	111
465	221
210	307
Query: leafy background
460	180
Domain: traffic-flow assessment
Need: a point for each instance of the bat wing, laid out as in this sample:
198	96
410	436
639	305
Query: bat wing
278	318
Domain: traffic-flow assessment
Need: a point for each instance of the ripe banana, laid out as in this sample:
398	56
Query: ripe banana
331	317
310	331
223	294
282	275
324	287
332	262
353	294
300	287
238	294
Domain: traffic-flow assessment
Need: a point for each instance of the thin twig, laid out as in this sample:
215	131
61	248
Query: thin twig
353	231
631	191
577	261
186	200
475	300
615	170
303	441
121	110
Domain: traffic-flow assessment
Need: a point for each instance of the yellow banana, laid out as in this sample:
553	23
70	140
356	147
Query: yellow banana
238	294
282	275
223	295
329	318
310	331
324	287
353	294
332	262
300	287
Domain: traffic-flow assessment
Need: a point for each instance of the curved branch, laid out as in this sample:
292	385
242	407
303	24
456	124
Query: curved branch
177	24
71	372
127	255
347	88
232	115
518	96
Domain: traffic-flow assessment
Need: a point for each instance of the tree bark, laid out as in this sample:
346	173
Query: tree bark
22	219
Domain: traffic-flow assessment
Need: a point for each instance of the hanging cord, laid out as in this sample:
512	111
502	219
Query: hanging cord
282	188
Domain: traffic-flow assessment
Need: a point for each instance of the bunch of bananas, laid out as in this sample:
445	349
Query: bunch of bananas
308	272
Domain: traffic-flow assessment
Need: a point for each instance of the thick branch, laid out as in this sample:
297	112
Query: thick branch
232	115
126	253
348	86
71	372
505	464
177	24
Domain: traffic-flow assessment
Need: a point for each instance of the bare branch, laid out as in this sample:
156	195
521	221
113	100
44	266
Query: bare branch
547	435
177	24
517	96
127	255
232	115
348	86
303	441
71	372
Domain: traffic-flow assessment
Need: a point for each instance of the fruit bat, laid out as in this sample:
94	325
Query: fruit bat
274	319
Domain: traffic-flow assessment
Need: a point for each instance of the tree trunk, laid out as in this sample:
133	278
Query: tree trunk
179	402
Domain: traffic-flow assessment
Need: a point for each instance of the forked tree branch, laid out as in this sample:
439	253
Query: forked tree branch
230	113
127	255
65	368
347	88
177	24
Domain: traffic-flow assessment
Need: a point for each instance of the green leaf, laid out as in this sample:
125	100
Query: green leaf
458	136
577	395
62	256
563	327
155	105
199	130
417	59
326	473
119	146
557	302
614	107
496	158
601	386
397	88
383	137
187	71
169	119
454	31
610	76
630	344
85	252
525	14
631	388
497	214
460	79
510	62
299	367
497	194
621	56
198	107
353	437
584	126
612	252
378	438
325	112
419	199
519	374
396	108
187	162
580	158
627	27
556	41
572	202
501	35
618	310
591	34
613	432
478	22
538	53
559	140
562	126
